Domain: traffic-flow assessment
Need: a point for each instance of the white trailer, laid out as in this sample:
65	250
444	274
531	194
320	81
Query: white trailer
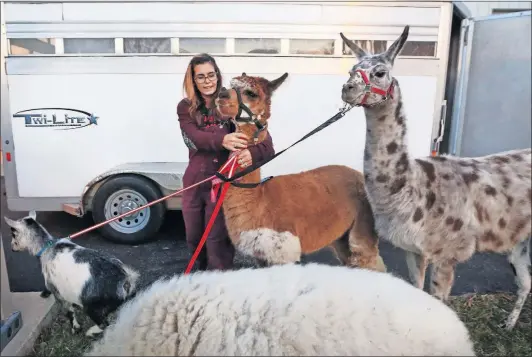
89	118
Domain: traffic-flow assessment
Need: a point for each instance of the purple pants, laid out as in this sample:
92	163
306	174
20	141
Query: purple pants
218	251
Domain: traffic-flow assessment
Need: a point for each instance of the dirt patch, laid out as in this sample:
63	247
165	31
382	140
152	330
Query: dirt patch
480	313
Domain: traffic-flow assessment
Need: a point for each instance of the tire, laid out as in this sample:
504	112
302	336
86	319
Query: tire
120	194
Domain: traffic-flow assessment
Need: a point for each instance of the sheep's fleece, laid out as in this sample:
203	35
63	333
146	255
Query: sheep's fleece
294	310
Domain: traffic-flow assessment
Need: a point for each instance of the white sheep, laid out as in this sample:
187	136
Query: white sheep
80	278
290	309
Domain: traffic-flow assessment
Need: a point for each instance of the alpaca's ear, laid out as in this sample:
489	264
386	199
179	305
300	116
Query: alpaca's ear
397	46
10	222
357	50
33	214
277	82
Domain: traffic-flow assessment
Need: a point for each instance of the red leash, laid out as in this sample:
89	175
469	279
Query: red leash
231	161
229	166
214	213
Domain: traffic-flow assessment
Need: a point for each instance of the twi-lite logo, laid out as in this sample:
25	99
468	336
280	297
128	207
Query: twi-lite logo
59	118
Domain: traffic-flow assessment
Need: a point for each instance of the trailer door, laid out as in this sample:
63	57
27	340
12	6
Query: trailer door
493	111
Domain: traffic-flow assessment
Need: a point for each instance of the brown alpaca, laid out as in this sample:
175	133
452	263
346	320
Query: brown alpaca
295	214
438	209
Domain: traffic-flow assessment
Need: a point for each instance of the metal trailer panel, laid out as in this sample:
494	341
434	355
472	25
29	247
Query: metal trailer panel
493	108
37	75
8	155
148	131
215	12
9	329
486	8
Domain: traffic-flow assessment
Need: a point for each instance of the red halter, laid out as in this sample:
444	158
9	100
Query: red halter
372	89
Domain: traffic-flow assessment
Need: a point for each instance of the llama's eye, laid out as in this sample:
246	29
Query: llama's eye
380	74
250	93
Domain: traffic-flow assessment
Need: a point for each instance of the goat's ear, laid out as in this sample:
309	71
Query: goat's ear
33	214
397	46
10	222
357	50
277	82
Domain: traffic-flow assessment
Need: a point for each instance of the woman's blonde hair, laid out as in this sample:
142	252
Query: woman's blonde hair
190	89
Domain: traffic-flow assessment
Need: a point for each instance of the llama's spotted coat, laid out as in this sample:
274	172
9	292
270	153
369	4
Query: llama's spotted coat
440	209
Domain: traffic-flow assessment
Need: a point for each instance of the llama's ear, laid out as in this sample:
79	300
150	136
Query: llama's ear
10	222
397	46
277	82
33	214
357	50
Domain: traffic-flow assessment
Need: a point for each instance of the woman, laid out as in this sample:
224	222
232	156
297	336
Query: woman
210	140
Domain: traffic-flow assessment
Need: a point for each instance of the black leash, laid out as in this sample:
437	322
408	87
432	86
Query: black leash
255	166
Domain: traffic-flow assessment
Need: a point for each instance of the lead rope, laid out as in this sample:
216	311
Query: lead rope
51	243
213	216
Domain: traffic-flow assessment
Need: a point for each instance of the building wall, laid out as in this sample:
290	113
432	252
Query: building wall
484	8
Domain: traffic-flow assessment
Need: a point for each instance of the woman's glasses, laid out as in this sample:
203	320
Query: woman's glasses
201	78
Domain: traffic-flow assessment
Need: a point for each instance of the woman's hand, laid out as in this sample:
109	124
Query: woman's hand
235	141
244	158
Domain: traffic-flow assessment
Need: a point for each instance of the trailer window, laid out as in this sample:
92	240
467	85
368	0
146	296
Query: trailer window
371	46
31	46
258	45
200	45
311	47
419	49
89	45
147	45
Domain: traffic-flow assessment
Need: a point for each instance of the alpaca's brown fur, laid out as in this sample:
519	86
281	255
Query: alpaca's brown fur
296	214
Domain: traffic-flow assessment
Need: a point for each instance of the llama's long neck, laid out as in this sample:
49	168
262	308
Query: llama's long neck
386	159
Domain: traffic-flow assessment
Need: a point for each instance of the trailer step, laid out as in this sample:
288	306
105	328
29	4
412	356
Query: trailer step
72	208
10	327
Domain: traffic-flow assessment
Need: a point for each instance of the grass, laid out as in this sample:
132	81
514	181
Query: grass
483	313
57	338
480	313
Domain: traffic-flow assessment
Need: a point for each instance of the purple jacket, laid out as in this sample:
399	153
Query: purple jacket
206	153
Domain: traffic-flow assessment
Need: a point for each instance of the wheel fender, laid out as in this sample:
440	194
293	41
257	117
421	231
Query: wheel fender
91	188
166	176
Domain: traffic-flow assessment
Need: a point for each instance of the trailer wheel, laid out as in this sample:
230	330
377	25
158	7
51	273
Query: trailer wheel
121	194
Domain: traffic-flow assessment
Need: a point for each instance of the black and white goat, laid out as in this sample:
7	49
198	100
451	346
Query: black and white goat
80	278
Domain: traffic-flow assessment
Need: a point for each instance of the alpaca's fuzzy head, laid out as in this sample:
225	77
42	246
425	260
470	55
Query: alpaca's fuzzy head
256	93
27	233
